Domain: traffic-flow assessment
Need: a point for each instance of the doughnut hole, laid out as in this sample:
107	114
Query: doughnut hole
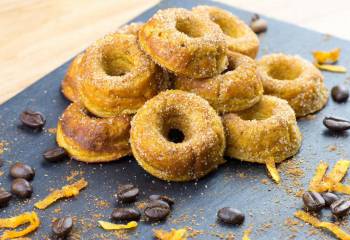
228	26
285	69
192	27
174	127
232	65
260	111
116	62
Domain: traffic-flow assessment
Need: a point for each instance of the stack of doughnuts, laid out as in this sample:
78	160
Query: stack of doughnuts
182	91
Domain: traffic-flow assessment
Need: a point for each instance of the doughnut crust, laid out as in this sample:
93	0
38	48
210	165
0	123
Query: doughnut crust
117	77
267	130
131	28
69	85
295	80
184	43
239	37
201	149
90	139
236	89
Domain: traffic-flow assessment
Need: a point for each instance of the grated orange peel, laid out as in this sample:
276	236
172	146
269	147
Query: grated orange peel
180	234
271	167
13	222
112	226
67	191
246	234
335	229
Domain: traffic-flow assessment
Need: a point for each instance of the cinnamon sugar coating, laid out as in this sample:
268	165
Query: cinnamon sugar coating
69	85
184	43
131	28
267	130
295	80
238	35
201	149
117	77
92	139
236	89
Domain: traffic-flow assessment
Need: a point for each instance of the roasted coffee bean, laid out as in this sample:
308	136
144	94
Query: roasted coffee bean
257	24
313	201
336	124
157	210
340	93
126	214
329	198
5	198
21	170
164	198
32	119
340	207
21	188
127	193
230	215
62	227
55	154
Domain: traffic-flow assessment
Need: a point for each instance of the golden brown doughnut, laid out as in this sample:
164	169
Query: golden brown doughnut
69	84
295	80
200	142
268	130
184	43
91	139
239	37
131	28
236	89
117	77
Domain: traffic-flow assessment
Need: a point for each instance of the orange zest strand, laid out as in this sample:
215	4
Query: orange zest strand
28	217
65	192
271	167
331	68
331	56
113	226
180	234
246	234
336	230
338	172
318	177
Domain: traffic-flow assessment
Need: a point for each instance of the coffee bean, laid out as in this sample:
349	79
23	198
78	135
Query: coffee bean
230	215
21	170
313	201
55	154
126	214
5	198
164	198
340	207
127	193
157	210
257	24
21	188
32	119
336	124
62	227
340	93
329	198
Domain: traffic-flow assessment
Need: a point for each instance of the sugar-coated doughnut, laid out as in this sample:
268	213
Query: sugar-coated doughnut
295	80
69	85
268	130
236	89
117	77
91	139
184	43
131	28
239	37
177	136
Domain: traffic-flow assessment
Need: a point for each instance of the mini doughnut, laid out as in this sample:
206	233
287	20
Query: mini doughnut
69	84
268	130
239	37
177	136
132	28
236	89
91	139
295	80
184	43
117	77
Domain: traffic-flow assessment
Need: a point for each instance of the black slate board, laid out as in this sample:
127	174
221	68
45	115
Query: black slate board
267	206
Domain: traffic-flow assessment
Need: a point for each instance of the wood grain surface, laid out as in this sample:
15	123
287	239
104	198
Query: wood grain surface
37	36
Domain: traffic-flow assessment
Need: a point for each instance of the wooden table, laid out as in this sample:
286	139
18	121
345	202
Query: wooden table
38	36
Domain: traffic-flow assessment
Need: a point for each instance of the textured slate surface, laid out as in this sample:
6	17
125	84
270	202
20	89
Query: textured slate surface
267	206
